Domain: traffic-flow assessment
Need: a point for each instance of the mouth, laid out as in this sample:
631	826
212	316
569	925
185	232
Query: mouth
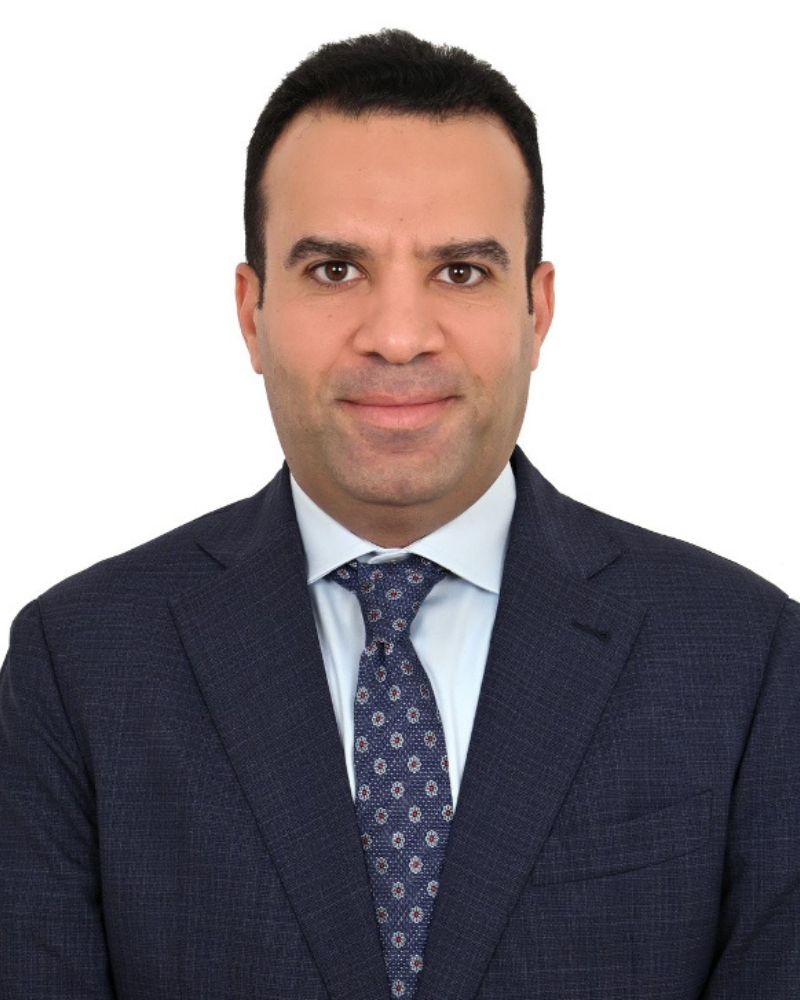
397	414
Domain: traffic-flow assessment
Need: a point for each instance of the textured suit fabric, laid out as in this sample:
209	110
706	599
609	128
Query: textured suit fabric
176	821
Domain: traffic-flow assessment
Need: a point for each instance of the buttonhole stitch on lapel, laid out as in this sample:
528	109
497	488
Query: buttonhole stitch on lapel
596	632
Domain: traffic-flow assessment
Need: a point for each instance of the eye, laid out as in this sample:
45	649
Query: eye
334	272
467	275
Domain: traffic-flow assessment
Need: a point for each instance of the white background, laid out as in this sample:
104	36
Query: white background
667	392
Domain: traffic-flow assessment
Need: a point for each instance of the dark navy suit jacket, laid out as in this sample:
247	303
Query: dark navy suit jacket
176	821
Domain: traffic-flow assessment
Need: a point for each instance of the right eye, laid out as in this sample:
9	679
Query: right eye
334	272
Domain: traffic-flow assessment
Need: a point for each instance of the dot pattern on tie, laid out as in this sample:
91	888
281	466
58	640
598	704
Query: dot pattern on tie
403	797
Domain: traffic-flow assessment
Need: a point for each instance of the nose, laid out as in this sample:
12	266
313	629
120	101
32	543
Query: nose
399	323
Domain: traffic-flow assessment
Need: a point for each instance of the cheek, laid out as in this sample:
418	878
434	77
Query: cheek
496	348
299	345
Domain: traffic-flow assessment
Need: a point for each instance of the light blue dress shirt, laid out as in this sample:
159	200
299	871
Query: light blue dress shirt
452	629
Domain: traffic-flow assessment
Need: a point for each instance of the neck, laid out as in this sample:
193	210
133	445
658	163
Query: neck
395	526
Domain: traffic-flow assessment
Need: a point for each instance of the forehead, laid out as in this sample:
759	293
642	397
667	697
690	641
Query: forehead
386	175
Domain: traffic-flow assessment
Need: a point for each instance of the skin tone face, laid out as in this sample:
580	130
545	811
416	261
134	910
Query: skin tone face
394	338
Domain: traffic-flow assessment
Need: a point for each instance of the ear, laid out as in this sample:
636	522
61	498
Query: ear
544	303
248	292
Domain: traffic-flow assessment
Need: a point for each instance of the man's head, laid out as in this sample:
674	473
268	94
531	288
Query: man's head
387	296
392	71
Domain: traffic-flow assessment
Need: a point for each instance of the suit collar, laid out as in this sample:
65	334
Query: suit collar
557	529
251	526
560	530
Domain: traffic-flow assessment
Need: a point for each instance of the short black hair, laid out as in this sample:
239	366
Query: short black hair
396	72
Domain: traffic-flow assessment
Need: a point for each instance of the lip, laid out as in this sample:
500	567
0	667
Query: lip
397	414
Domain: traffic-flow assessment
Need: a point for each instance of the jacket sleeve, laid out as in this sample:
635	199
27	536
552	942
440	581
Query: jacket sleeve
758	953
52	938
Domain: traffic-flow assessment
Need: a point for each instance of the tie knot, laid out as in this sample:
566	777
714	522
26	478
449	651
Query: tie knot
390	593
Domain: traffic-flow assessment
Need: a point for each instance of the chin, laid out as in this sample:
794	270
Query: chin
401	480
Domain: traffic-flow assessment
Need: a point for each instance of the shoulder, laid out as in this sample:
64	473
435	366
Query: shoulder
662	562
690	597
130	585
693	595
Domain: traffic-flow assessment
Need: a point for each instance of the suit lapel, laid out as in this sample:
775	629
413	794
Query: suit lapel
252	642
557	649
559	643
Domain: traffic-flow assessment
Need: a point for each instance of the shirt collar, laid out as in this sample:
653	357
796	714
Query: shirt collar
472	545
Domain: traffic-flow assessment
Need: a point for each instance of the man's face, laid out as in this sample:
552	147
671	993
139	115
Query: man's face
394	338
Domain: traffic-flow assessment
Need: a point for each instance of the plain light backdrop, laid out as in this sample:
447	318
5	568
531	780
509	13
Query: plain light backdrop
667	392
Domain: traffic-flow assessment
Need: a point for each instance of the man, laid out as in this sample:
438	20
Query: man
406	722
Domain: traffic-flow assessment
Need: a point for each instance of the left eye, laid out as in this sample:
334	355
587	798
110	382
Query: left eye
463	274
334	272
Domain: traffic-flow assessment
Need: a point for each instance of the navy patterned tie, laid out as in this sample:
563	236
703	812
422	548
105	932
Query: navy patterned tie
403	797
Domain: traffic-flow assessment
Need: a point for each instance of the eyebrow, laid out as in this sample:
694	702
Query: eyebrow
312	246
